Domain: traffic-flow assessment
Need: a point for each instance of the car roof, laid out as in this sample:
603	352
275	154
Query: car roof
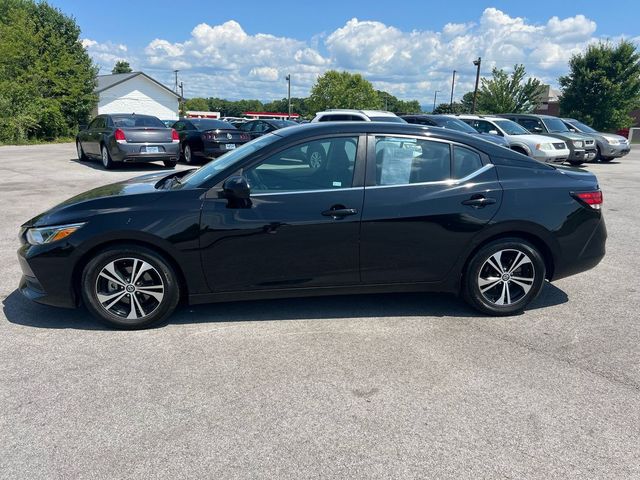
533	115
368	113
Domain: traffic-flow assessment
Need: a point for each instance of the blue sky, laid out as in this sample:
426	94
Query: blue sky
244	49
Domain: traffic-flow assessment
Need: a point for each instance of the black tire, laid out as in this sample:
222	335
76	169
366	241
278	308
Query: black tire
316	157
481	274
170	163
107	161
606	159
575	163
187	154
520	150
81	155
158	280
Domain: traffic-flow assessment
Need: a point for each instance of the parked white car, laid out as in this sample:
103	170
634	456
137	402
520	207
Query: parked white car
540	147
348	115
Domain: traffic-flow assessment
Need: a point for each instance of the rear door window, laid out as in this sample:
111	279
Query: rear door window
465	162
403	161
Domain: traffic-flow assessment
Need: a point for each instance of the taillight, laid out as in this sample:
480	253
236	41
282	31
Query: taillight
245	137
593	199
175	138
120	136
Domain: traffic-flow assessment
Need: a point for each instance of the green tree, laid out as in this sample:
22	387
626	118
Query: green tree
393	104
603	85
121	66
504	93
447	108
336	89
46	76
199	104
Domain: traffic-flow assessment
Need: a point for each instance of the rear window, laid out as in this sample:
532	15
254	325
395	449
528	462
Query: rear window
210	124
131	121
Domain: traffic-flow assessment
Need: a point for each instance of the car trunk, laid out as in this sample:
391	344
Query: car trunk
225	136
147	135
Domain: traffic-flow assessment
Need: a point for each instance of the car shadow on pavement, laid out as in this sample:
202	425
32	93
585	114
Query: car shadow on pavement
20	311
123	167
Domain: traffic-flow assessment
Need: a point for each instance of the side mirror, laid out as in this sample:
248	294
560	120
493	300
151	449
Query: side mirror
493	132
536	130
236	189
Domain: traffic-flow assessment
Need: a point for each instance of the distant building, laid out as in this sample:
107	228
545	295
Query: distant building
135	92
201	114
549	102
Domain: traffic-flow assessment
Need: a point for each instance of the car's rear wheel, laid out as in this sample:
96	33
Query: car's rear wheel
575	163
129	287
170	163
504	276
107	161
81	156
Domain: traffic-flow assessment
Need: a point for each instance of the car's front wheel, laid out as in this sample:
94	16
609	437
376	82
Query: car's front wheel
504	276
129	287
170	163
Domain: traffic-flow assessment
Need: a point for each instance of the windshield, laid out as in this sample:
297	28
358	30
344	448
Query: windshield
582	127
210	124
511	128
129	121
283	123
387	119
454	124
555	125
198	177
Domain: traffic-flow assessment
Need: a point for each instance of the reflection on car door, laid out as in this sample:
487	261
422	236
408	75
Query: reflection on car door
302	228
423	204
91	143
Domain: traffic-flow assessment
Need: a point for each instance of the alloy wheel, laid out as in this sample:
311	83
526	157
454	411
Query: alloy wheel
506	277
79	150
315	160
187	154
129	288
105	157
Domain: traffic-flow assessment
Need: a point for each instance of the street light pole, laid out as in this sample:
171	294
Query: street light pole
453	84
477	63
435	96
289	94
175	88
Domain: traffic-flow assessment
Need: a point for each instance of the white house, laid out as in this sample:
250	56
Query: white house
135	92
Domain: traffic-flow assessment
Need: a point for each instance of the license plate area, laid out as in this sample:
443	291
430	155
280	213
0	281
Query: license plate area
150	149
230	146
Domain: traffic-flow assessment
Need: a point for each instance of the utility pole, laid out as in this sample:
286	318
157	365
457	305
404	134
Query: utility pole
289	94
435	97
477	63
175	88
182	97
453	84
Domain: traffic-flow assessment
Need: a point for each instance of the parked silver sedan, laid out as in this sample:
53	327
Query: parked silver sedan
128	137
609	145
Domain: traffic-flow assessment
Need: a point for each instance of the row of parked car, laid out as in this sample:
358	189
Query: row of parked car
128	138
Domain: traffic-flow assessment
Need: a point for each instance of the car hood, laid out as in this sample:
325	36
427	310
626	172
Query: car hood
533	138
574	136
613	136
113	197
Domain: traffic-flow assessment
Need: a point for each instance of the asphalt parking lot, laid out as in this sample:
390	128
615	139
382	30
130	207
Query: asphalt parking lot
384	386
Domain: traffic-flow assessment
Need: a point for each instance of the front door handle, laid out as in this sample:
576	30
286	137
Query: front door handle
339	211
479	201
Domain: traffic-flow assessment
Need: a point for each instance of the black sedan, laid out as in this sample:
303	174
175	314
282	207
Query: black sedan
395	208
127	137
207	138
257	128
445	121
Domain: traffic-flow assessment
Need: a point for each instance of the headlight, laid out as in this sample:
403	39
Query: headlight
577	143
612	141
38	236
544	146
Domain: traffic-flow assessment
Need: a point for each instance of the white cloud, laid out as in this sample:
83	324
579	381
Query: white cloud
223	60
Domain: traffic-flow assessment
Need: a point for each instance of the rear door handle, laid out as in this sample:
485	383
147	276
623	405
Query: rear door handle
339	211
479	201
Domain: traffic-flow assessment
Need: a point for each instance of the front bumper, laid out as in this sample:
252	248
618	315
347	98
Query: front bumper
615	151
136	152
46	275
552	156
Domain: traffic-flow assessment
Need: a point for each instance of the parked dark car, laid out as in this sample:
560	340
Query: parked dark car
582	147
444	121
609	145
257	128
396	208
127	137
207	138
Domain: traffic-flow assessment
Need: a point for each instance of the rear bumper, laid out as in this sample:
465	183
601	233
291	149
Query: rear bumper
215	149
135	152
592	252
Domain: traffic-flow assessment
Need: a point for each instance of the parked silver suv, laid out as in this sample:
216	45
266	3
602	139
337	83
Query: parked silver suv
349	115
609	145
520	139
